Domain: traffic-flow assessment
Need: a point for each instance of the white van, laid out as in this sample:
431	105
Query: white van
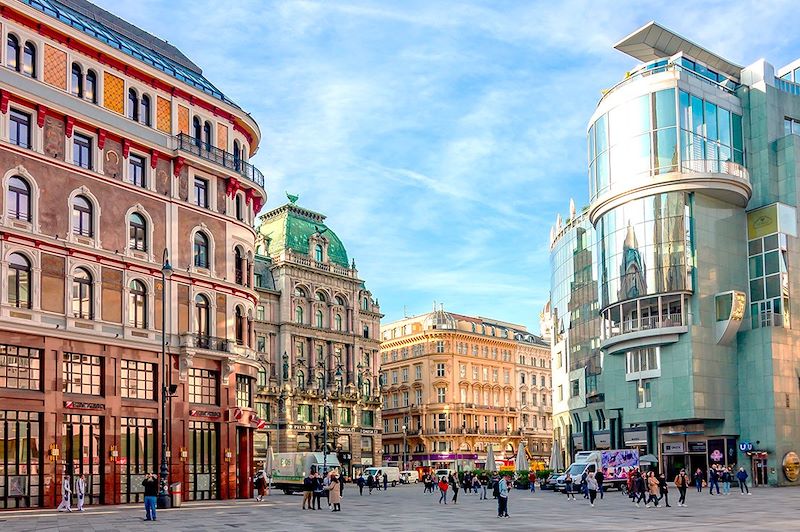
392	473
408	477
444	473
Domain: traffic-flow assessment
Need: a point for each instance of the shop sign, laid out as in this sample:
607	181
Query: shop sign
204	413
76	405
674	448
746	446
791	466
344	457
697	446
369	431
366	461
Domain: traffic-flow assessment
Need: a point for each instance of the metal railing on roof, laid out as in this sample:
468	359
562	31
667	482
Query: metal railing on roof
223	158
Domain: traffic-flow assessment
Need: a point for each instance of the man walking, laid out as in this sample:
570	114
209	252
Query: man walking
80	490
308	490
583	485
682	482
698	480
713	480
600	478
502	497
726	480
741	476
360	483
385	482
66	494
150	484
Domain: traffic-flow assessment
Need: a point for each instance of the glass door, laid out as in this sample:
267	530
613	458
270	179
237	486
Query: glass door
82	444
203	469
20	456
137	456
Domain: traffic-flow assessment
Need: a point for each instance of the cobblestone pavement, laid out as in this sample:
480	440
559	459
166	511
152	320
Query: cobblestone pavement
407	508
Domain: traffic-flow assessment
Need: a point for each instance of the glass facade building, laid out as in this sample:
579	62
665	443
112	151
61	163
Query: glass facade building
672	302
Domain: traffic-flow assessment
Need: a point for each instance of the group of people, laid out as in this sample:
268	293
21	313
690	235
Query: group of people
590	485
66	492
316	484
717	474
471	483
650	488
372	482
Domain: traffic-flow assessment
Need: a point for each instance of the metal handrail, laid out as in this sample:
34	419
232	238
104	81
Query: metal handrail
212	343
223	158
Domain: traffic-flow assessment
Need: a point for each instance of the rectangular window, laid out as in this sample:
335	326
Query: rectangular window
642	363
643	393
394	376
396	424
19	128
260	313
304	413
524	399
462	370
418	397
440	346
494	375
244	391
440	369
82	151
441	395
201	192
475	373
20	368
575	388
367	418
395	400
345	416
560	394
261	344
137	379
405	398
405	374
263	411
136	166
203	386
82	374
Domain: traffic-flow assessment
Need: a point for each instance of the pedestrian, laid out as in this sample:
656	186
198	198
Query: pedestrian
476	484
652	490
150	484
385	482
741	476
568	482
663	490
727	476
453	481
640	488
699	478
682	483
80	490
370	483
495	486
532	481
261	486
502	497
66	494
583	485
308	490
326	482
378	480
591	488
335	492
600	478
713	480
360	483
484	480
443	490
316	495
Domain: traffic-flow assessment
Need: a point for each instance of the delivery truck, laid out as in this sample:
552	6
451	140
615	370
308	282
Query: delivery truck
615	464
291	468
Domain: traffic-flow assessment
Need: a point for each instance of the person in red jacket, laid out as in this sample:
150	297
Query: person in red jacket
443	485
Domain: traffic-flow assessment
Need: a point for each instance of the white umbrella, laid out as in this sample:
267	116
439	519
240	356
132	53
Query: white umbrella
269	465
490	465
522	460
555	457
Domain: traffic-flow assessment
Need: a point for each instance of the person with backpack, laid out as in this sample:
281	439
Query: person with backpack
682	483
443	490
261	486
639	488
741	476
476	485
495	486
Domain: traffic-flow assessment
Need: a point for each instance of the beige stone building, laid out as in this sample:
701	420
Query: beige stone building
317	337
453	385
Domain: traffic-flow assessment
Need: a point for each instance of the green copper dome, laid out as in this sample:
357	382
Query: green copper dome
291	227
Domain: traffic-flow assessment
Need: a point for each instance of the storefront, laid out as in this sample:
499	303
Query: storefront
20	459
83	441
137	456
202	470
691	450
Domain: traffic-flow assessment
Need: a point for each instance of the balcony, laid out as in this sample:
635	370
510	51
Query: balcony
198	148
209	343
647	321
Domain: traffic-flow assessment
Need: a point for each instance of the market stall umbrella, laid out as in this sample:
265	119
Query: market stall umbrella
648	459
522	460
490	465
269	465
555	457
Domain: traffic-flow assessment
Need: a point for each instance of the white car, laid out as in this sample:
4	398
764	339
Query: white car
408	477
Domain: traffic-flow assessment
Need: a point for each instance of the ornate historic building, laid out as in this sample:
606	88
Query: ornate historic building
317	340
117	154
454	384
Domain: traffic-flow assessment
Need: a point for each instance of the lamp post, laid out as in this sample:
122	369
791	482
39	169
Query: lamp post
323	370
404	447
166	272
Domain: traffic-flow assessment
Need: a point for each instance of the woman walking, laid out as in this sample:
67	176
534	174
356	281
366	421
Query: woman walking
652	489
66	494
591	486
443	490
453	480
335	492
261	486
568	487
682	483
699	478
80	490
663	489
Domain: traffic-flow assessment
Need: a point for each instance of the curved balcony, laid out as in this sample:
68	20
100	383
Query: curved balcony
646	321
229	161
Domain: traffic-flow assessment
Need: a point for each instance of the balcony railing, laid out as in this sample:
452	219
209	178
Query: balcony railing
223	158
716	166
212	343
651	322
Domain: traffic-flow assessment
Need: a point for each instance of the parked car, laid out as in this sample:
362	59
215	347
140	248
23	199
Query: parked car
392	473
550	482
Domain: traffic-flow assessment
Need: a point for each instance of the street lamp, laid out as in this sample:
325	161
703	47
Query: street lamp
404	447
166	272
323	370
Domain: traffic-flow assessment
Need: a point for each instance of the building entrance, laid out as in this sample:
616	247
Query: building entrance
203	467
760	477
137	456
83	444
20	459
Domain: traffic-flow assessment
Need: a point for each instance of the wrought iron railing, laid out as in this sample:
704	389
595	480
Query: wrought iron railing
212	343
223	158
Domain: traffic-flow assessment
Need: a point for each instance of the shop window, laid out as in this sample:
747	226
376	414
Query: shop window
82	374
203	386
137	379
20	368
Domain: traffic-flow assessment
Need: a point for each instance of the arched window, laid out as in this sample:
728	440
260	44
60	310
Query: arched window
12	52
82	294
318	253
29	60
18	199
365	304
299	292
90	89
82	216
137	304
198	130
339	301
320	296
238	265
301	380
239	207
19	281
202	316
200	250
77	80
146	110
240	326
319	319
137	232
298	314
236	158
133	105
207	135
338	321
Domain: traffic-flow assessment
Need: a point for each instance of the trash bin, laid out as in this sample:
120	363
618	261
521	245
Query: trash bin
177	496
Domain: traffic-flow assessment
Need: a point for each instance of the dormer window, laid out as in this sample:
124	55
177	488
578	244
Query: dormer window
318	255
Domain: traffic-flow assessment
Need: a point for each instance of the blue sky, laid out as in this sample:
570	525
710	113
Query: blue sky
441	138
